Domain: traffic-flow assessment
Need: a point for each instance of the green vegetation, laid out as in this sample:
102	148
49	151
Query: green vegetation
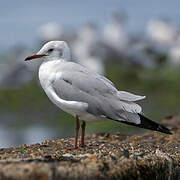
23	150
161	86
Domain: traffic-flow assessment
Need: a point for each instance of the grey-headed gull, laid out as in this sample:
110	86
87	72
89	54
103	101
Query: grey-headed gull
84	94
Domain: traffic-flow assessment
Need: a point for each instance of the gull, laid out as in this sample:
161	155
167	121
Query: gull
85	47
85	94
174	53
161	32
50	31
114	34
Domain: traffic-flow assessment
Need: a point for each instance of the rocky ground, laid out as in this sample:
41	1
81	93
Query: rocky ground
148	156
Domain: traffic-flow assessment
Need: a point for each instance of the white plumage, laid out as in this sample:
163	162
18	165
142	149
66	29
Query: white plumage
84	94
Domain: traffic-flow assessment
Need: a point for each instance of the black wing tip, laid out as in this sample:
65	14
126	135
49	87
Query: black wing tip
149	124
163	129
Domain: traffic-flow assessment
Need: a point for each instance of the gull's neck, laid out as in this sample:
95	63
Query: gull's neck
54	59
48	69
49	65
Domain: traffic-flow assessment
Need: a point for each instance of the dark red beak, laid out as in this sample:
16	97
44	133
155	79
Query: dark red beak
34	56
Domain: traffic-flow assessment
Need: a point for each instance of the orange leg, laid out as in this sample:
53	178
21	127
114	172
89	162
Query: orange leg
77	132
83	126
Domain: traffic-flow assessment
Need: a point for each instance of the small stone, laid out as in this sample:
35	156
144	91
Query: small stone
126	153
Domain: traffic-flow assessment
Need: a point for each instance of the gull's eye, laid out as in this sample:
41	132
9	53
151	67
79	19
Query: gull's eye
50	50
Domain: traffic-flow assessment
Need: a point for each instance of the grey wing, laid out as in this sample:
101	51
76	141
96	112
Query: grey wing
100	96
123	95
92	82
85	79
74	82
65	89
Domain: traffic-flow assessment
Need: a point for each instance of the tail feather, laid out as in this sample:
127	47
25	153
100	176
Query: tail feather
148	124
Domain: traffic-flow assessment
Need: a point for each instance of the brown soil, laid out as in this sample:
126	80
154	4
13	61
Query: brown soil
148	156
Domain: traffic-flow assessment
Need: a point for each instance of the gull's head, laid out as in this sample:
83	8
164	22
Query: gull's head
53	50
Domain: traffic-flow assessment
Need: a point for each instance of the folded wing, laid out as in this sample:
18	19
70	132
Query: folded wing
126	96
101	96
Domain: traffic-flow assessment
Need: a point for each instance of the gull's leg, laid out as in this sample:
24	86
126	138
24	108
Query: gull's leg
77	132
83	126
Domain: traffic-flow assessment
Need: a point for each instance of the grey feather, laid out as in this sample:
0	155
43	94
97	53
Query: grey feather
129	96
76	83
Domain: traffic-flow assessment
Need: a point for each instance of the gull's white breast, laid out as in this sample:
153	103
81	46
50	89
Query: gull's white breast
47	74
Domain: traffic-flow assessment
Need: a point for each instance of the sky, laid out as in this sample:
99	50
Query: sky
19	20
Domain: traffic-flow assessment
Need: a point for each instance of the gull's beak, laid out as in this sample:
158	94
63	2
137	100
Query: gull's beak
35	56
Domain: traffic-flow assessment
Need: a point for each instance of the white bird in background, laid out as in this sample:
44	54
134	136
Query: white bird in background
84	49
161	32
14	73
174	54
84	94
114	34
137	55
50	31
